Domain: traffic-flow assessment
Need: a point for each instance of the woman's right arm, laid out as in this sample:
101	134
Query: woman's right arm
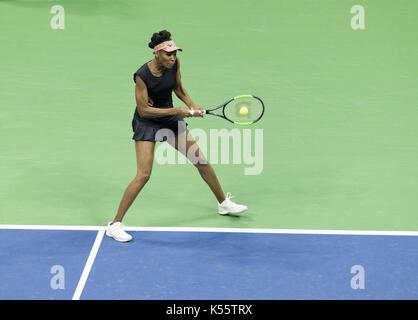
145	111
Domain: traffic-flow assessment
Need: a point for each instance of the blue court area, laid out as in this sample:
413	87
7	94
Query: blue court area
159	265
29	260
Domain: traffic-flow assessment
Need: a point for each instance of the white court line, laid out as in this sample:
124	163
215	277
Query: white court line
89	264
277	231
48	227
236	230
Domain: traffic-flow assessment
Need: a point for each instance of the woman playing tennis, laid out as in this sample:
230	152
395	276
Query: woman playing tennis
154	114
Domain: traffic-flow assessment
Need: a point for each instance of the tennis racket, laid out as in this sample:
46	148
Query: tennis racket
243	110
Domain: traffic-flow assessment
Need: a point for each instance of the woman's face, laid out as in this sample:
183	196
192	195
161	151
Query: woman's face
166	59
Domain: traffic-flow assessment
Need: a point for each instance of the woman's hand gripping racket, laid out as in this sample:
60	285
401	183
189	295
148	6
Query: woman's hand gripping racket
244	109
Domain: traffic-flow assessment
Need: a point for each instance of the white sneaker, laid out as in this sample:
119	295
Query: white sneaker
116	232
229	207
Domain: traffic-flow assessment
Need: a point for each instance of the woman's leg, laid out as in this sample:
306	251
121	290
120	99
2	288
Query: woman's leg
198	159
144	159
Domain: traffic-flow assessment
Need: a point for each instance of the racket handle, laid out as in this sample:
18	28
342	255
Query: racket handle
192	112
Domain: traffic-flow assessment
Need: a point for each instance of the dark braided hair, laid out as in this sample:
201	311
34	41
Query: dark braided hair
159	37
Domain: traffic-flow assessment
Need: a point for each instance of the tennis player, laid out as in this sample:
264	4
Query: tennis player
155	81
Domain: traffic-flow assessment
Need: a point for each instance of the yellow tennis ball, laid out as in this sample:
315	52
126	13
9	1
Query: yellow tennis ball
243	111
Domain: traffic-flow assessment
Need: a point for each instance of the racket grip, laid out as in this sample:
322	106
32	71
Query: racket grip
192	112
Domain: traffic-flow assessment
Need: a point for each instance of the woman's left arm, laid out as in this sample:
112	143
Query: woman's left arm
182	94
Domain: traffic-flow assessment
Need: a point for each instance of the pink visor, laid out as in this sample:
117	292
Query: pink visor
167	46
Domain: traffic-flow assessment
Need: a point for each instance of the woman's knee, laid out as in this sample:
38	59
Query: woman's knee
143	176
202	165
198	159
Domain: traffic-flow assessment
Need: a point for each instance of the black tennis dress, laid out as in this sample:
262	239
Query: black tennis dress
160	91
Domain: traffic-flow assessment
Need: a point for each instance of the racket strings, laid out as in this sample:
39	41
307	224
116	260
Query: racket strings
244	110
